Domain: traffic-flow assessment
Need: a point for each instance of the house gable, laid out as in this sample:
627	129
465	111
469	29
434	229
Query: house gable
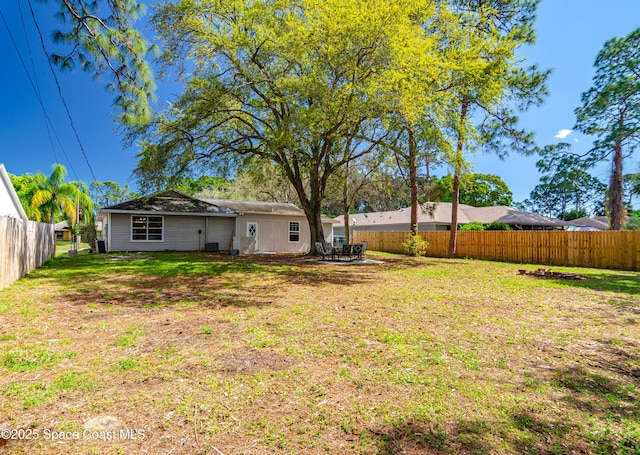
10	204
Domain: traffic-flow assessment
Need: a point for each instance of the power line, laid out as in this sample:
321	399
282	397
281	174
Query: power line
64	102
48	122
37	85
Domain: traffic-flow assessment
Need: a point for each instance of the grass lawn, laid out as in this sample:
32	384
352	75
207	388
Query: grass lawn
202	353
63	246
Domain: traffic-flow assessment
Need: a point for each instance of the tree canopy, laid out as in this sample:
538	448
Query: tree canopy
49	199
101	38
477	190
566	190
291	82
492	86
610	110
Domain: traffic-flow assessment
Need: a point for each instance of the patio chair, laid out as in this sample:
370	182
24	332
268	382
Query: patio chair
356	252
321	251
346	251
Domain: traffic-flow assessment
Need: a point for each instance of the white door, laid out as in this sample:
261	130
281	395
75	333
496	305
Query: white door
252	231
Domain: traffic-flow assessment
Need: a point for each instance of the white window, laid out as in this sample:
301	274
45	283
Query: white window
294	231
147	229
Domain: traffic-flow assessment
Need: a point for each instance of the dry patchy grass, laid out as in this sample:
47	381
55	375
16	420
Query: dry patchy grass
279	355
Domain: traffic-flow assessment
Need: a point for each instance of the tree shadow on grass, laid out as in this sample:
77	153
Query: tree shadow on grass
194	278
293	269
602	399
432	438
604	406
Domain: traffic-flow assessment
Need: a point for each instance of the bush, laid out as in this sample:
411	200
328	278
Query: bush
497	226
632	223
473	226
415	246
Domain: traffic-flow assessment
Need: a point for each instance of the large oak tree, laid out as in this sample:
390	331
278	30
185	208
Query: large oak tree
288	81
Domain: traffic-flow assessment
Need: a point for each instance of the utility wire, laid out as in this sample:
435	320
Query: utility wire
64	102
37	92
37	85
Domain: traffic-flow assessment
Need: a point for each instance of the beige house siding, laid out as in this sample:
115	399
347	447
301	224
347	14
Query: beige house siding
327	229
180	233
273	232
221	231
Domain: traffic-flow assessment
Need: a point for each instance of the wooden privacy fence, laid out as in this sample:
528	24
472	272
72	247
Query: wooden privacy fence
605	249
24	245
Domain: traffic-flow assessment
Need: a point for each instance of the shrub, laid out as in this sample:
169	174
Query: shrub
473	226
415	245
633	222
497	226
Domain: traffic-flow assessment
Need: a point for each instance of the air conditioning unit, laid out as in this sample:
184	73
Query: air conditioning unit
213	247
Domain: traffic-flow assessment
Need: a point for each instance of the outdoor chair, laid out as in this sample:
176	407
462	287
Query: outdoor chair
356	252
321	251
346	251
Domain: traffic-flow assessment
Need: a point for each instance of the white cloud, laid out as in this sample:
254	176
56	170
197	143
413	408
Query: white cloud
563	133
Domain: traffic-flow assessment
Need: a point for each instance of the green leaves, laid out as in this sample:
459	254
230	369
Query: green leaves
101	38
46	198
611	111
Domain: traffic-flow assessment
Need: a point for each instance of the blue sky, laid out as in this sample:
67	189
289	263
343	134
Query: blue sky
570	34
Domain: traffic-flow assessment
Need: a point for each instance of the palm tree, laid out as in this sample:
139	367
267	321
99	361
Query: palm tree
53	195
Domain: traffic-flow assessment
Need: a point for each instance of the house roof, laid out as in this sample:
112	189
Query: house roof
256	207
599	222
10	204
440	213
170	201
511	216
175	202
61	226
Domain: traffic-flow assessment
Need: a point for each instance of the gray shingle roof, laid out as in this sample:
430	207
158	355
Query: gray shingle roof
170	202
440	213
599	222
256	207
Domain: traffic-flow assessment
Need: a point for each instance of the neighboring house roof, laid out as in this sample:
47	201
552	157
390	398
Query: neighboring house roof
440	213
600	223
432	213
511	216
61	226
10	204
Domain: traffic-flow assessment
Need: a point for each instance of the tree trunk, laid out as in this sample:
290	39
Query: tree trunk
317	233
413	180
427	179
455	197
616	190
346	205
453	236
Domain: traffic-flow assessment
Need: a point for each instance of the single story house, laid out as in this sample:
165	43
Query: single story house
598	223
63	231
170	220
10	205
436	216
